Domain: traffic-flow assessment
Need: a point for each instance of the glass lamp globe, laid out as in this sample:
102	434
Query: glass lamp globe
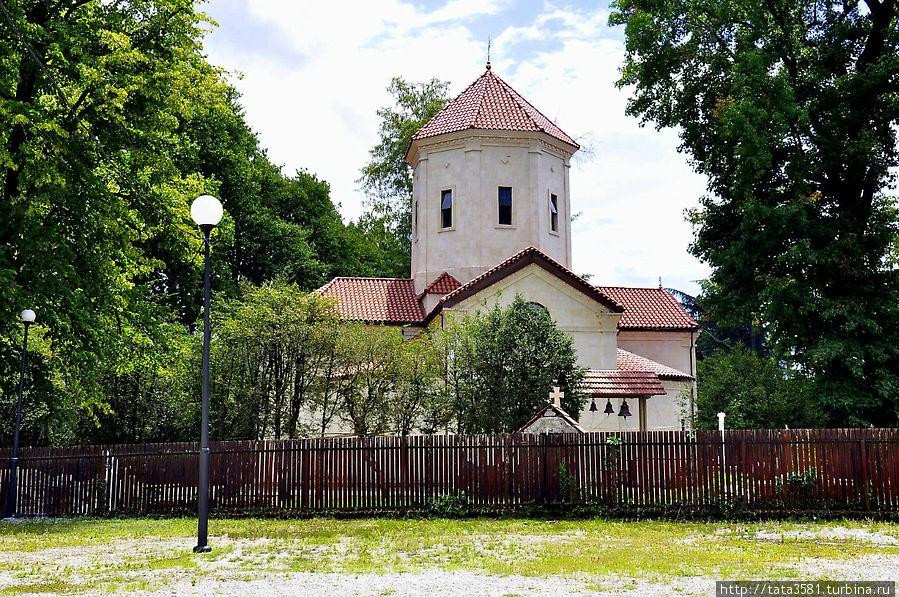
27	316
206	210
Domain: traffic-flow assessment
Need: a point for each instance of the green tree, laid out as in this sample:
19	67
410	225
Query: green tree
503	364
789	108
270	354
112	122
756	393
417	401
370	359
387	178
93	207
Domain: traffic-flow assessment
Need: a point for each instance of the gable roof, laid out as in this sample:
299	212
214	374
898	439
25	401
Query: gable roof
490	104
599	383
649	309
442	285
628	361
375	300
514	263
559	412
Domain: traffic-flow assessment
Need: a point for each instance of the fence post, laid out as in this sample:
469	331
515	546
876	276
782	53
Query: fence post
429	464
723	488
863	450
107	483
544	492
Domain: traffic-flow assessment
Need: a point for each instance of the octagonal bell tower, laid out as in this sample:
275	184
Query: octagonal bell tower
490	178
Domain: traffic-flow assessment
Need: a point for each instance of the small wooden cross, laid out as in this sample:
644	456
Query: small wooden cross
556	396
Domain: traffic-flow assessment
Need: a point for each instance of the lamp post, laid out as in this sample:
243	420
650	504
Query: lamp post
27	317
206	211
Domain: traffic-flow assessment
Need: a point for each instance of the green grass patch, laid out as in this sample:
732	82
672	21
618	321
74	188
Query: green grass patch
122	555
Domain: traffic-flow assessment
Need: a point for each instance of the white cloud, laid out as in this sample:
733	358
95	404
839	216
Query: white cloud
316	110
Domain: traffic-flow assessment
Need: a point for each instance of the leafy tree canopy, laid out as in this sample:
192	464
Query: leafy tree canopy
112	122
756	393
502	364
790	109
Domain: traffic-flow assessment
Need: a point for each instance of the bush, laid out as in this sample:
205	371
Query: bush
450	505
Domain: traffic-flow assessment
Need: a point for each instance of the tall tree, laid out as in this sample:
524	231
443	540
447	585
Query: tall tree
502	364
790	109
755	391
270	353
387	178
111	122
370	358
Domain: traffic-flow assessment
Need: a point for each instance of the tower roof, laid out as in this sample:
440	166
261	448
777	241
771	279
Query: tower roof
490	104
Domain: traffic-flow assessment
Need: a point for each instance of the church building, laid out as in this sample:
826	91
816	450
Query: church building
492	219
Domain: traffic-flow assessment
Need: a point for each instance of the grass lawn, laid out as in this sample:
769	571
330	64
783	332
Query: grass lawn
92	555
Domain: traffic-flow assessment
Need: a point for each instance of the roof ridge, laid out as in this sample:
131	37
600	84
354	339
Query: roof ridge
487	73
525	104
562	272
448	104
631	287
515	98
368	278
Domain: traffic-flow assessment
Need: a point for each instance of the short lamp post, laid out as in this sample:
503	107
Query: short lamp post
27	316
206	211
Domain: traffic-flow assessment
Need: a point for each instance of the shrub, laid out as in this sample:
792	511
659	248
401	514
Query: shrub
450	505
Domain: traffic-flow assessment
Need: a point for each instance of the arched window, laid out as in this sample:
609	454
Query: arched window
538	308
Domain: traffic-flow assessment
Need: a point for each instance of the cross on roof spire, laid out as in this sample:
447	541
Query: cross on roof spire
488	52
557	396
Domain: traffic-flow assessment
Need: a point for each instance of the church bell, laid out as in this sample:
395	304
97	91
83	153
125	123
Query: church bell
609	408
625	409
593	405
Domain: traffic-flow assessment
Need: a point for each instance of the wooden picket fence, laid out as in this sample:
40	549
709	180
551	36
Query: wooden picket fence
842	471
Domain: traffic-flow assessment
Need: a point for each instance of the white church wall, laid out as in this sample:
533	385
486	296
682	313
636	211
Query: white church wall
672	348
591	326
669	412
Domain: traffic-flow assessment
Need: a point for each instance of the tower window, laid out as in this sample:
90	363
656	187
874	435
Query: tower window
505	206
415	220
553	213
446	209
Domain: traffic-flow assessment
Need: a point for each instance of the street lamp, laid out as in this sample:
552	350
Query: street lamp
27	317
206	211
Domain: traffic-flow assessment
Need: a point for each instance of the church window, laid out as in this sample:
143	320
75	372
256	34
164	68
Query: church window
446	209
553	213
538	308
505	206
415	220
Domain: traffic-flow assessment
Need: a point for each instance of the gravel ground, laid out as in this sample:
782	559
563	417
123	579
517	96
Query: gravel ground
435	583
438	583
250	567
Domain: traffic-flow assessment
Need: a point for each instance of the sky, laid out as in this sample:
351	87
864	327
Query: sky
313	74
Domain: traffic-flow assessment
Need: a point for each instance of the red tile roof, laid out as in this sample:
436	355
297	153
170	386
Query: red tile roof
375	300
628	361
490	104
513	264
443	285
649	309
598	383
